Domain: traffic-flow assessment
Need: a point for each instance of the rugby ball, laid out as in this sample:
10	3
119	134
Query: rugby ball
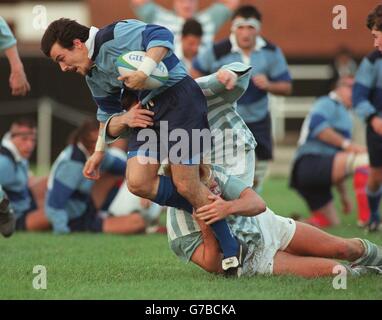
130	61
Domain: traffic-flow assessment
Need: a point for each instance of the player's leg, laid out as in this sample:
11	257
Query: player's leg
188	183
38	188
103	187
374	194
129	224
37	221
311	241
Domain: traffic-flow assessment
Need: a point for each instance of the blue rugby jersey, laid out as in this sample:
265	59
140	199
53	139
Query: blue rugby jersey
14	178
367	90
7	38
266	59
69	192
119	38
327	112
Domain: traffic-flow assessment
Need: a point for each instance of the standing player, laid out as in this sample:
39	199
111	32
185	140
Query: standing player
179	103
269	75
367	101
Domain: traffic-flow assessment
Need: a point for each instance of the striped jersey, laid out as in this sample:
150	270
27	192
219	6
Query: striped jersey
231	134
211	20
266	59
180	223
367	90
69	192
7	39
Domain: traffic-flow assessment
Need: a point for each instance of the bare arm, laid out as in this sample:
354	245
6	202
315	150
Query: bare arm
283	88
17	80
231	4
249	204
333	138
138	3
207	255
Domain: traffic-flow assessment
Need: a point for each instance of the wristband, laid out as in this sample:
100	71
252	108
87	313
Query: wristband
345	144
101	144
147	66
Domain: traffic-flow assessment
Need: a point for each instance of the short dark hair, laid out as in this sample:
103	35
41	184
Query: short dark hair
247	11
63	31
192	27
374	19
25	122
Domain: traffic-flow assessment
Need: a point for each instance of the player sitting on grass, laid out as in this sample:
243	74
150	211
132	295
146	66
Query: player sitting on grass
276	245
326	155
26	193
69	204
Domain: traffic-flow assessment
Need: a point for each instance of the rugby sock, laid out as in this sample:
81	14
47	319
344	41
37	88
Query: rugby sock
372	255
374	198
319	220
359	183
168	196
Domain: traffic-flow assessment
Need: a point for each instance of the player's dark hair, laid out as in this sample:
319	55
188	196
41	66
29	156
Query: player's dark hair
63	31
192	27
247	11
25	122
374	19
81	134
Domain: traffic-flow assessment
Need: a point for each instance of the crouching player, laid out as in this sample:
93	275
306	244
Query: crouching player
69	204
276	245
326	157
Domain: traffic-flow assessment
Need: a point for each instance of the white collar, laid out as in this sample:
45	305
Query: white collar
91	41
260	43
333	95
7	143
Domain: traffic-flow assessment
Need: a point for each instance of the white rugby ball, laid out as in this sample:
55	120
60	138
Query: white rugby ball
130	61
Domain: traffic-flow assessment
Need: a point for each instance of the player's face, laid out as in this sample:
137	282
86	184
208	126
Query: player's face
190	45
346	92
24	139
185	8
246	37
74	59
377	35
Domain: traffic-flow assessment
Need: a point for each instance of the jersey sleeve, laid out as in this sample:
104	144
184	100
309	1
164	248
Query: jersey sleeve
7	39
322	111
6	165
204	60
157	36
113	165
278	70
364	83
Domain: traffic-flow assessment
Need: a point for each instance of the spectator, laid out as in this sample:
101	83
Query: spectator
192	33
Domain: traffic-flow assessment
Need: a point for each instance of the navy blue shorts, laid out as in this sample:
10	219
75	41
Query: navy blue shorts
262	131
374	147
181	107
88	222
312	178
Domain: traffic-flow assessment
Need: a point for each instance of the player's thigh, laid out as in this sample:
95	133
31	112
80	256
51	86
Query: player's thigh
339	166
375	177
185	176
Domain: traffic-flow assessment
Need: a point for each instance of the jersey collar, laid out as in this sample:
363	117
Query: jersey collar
91	41
7	143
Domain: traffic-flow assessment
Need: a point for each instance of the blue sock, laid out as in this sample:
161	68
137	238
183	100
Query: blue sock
374	199
168	196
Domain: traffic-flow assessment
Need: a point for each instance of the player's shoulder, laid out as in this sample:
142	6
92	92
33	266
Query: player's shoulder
269	46
72	155
222	48
374	56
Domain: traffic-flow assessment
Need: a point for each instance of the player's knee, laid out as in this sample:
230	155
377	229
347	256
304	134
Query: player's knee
185	187
138	187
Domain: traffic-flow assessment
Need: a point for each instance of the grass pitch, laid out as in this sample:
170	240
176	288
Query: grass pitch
87	266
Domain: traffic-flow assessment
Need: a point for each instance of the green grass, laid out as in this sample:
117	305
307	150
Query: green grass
85	266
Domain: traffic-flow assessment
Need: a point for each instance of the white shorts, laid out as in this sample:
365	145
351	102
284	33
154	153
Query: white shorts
277	232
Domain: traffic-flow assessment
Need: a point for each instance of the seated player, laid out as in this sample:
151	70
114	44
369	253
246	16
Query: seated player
25	193
326	156
69	205
276	245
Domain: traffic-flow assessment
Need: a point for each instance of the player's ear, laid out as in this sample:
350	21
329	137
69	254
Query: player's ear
77	43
